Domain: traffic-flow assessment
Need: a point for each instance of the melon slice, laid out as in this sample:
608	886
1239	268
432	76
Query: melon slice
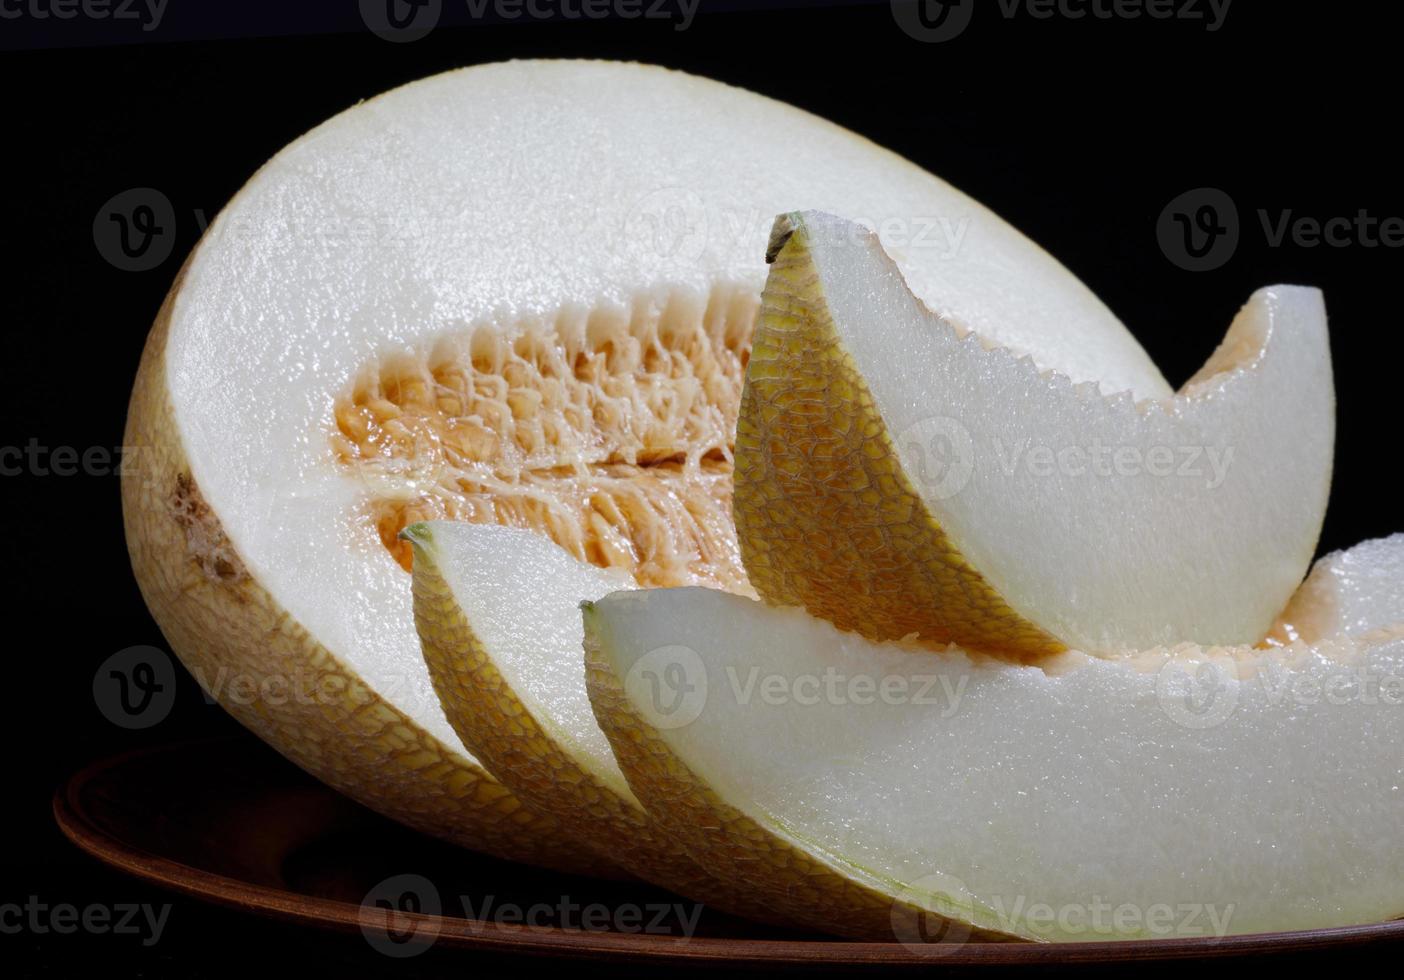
882	790
517	294
902	474
504	655
497	610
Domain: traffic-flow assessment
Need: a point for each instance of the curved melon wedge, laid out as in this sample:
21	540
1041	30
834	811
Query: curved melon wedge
880	789
498	614
897	476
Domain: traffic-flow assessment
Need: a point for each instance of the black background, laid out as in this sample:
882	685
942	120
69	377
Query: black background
1077	131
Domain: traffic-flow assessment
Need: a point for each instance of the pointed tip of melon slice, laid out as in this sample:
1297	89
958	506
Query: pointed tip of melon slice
420	534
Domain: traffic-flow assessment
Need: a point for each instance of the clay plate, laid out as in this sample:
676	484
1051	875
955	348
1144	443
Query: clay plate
230	822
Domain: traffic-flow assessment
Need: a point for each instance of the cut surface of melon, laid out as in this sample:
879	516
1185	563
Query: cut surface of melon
1352	591
862	787
899	473
515	294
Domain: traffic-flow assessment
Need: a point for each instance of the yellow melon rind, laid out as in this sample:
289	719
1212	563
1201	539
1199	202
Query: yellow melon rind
221	623
735	847
502	732
826	517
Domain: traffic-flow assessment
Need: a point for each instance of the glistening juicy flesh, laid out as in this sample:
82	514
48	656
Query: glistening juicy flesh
862	787
902	475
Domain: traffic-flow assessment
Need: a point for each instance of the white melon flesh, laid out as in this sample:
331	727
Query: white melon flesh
515	690
515	294
900	474
1182	792
521	596
497	609
1352	592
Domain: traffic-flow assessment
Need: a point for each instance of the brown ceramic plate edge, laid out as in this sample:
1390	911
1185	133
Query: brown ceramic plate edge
85	832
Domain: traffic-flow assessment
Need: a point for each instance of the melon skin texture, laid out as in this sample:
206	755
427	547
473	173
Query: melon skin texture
504	656
227	630
902	474
1088	787
436	304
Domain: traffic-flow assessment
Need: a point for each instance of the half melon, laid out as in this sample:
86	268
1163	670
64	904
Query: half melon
517	294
